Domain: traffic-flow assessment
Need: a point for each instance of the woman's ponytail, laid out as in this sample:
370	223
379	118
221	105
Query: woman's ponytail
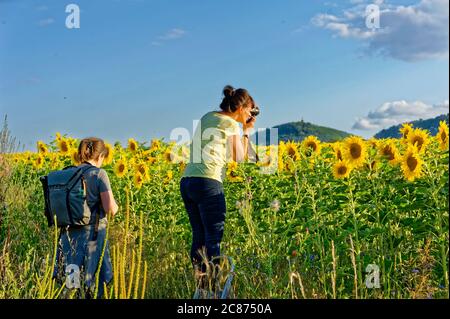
91	148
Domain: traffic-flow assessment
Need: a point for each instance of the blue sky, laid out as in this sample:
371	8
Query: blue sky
140	68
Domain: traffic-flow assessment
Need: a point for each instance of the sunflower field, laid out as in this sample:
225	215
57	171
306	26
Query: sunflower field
317	227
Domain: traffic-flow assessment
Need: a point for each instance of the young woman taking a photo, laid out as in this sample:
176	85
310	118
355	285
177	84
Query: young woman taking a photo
216	141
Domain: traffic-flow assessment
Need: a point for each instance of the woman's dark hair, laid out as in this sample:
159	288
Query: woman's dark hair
233	99
91	148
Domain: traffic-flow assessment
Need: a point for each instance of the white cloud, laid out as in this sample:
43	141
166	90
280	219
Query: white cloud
407	33
173	34
170	35
396	112
45	22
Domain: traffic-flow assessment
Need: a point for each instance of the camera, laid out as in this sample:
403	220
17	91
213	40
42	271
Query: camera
254	113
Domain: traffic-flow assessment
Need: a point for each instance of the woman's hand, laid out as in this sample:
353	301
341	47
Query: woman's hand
247	126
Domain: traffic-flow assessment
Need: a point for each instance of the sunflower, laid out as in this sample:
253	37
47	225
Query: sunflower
312	145
39	161
143	170
373	142
42	148
150	159
28	158
233	166
291	149
121	168
168	156
132	145
58	136
232	172
64	146
341	169
405	130
388	150
54	161
337	148
420	138
412	163
108	159
155	145
354	151
289	165
138	180
118	147
442	136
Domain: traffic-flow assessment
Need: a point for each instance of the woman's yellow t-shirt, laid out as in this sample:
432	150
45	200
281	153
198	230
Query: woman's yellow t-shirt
208	148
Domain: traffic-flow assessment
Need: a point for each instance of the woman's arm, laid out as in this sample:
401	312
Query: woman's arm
109	203
237	148
238	145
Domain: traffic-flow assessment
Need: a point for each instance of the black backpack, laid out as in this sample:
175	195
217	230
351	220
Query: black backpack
65	195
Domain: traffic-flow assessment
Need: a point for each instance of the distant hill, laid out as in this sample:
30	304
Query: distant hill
297	131
432	125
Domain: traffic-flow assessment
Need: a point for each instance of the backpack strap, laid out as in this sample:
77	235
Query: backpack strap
88	167
97	215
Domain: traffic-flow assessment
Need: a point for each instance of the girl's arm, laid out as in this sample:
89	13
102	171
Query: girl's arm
109	203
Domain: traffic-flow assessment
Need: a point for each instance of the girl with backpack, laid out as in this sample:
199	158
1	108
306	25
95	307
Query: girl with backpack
82	246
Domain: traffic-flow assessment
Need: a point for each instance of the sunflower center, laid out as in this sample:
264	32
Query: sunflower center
443	136
342	170
355	150
419	141
121	168
64	147
291	152
389	153
412	163
312	145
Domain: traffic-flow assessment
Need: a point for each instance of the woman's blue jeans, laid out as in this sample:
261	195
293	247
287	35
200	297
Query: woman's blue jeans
204	200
